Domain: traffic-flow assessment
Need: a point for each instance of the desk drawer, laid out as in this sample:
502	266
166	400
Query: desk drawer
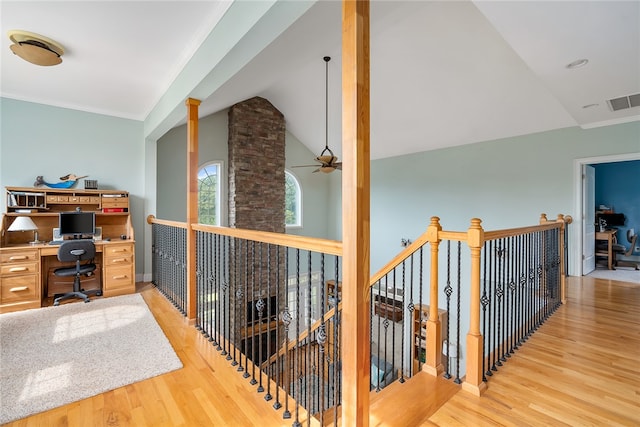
19	269
119	278
18	256
115	202
19	288
118	251
124	259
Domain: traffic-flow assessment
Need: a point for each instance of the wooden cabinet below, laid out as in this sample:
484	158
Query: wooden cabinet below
119	275
19	280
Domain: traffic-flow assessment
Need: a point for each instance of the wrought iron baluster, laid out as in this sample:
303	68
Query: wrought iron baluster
484	301
448	291
457	380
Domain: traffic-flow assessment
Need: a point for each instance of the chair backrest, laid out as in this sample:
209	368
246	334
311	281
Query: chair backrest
70	250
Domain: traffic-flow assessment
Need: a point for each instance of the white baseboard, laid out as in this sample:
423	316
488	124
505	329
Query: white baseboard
146	277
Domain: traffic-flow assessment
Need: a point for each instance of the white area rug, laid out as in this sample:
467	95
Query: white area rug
621	274
57	355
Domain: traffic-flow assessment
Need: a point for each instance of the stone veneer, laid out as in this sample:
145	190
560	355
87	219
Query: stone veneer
256	166
257	202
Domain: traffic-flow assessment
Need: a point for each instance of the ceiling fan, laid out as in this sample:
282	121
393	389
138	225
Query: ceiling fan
327	162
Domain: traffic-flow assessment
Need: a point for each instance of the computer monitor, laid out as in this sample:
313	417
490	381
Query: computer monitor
611	219
77	224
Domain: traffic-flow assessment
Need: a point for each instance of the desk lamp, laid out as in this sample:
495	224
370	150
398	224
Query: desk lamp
24	223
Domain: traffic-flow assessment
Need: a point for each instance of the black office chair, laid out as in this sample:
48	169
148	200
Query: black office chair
77	251
620	250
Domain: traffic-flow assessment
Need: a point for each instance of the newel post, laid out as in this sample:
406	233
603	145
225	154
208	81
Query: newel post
433	361
564	220
473	380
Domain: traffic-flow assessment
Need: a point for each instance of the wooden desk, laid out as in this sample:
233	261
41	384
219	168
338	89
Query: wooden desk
24	268
609	237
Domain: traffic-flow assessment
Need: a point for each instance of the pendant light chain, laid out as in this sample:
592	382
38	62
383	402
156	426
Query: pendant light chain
326	103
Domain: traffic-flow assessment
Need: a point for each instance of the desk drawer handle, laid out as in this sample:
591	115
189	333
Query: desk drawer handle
17	269
18	289
119	260
118	250
18	257
120	277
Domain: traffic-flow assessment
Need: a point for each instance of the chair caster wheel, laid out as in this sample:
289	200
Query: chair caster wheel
56	304
99	294
87	300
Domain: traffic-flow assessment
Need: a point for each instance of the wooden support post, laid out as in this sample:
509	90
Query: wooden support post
355	213
433	362
473	380
192	203
565	219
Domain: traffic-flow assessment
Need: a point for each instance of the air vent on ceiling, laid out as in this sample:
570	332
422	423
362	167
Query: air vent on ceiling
624	102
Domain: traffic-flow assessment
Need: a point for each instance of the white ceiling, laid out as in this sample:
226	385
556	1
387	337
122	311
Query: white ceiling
442	73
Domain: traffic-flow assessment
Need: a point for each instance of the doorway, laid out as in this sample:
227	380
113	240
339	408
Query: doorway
579	239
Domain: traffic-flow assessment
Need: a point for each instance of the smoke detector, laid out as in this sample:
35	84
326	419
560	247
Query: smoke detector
34	48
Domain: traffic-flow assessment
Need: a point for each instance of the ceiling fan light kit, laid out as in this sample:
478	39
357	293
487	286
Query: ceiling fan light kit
34	48
327	163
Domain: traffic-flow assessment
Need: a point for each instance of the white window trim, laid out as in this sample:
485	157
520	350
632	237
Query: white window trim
298	223
219	200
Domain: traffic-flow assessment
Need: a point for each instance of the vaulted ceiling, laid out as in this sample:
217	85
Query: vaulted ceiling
443	73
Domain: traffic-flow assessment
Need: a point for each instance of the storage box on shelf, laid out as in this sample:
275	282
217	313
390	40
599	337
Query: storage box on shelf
24	288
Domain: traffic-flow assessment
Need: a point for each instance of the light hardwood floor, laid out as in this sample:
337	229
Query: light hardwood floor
581	368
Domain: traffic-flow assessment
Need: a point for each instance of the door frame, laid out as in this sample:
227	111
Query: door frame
576	238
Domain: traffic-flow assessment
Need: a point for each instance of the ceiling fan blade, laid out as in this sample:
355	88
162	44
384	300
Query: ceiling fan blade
305	166
338	165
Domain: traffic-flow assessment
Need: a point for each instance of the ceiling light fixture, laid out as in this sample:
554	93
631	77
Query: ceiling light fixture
577	64
34	48
590	106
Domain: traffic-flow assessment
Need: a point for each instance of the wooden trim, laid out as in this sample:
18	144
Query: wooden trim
153	220
509	232
304	334
473	379
192	202
355	213
404	254
433	359
330	247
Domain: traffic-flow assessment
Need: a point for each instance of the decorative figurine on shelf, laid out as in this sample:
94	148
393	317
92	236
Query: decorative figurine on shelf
67	181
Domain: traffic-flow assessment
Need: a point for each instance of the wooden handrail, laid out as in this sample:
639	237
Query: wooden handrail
404	254
326	246
331	247
153	220
303	335
475	237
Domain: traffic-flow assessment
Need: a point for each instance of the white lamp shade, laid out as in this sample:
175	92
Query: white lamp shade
22	223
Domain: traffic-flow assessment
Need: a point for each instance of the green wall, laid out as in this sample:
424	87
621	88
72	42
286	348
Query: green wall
212	144
506	183
37	139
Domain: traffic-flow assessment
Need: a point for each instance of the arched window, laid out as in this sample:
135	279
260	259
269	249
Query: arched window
209	193
293	201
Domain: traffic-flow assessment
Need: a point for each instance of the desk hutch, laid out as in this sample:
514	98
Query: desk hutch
25	268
